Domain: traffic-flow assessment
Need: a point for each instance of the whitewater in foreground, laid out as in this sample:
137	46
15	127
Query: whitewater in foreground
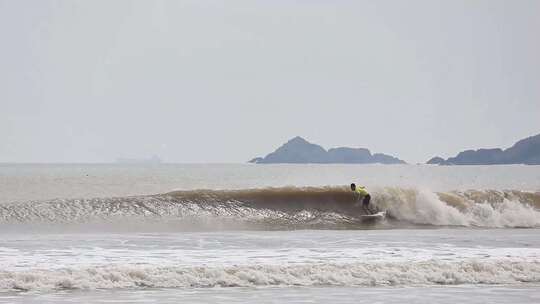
270	234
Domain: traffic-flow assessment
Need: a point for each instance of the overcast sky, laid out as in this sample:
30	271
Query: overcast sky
225	81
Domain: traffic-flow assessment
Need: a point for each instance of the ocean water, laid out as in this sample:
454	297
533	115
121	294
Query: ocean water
268	233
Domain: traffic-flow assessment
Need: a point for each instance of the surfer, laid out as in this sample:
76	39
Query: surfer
362	194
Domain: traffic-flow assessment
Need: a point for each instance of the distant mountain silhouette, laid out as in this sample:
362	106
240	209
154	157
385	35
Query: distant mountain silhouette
525	151
436	161
300	151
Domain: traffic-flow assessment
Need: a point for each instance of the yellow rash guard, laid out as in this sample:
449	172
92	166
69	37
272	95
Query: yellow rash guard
362	192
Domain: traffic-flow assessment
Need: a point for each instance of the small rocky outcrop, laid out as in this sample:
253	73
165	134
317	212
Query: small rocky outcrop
525	151
300	151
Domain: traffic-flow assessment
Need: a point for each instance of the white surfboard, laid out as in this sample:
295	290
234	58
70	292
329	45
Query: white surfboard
378	215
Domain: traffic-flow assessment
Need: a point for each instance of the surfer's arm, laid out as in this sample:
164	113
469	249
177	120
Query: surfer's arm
356	198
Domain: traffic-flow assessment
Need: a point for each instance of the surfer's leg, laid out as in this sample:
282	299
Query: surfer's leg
365	204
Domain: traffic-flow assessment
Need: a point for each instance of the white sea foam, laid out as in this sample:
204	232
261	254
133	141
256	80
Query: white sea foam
426	207
356	274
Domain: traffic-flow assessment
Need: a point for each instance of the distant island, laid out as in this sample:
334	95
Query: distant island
300	151
525	151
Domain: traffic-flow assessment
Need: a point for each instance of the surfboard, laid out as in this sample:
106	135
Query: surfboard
377	216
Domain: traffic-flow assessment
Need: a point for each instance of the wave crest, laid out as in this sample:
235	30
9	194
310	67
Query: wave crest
288	208
470	208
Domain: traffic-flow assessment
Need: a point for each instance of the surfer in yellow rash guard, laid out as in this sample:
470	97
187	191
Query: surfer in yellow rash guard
362	194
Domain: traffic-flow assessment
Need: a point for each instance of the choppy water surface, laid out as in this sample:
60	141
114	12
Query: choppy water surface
204	266
397	295
204	234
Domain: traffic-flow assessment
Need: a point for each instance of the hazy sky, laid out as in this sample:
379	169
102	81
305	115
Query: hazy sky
225	81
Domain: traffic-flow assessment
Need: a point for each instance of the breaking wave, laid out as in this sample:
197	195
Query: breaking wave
285	208
356	274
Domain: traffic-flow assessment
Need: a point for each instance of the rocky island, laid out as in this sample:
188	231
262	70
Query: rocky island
525	151
300	151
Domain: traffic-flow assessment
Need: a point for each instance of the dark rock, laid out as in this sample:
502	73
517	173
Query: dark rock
436	161
386	159
480	156
297	150
350	155
300	151
525	151
255	160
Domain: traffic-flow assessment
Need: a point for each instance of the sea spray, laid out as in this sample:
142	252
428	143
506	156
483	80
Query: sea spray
492	209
